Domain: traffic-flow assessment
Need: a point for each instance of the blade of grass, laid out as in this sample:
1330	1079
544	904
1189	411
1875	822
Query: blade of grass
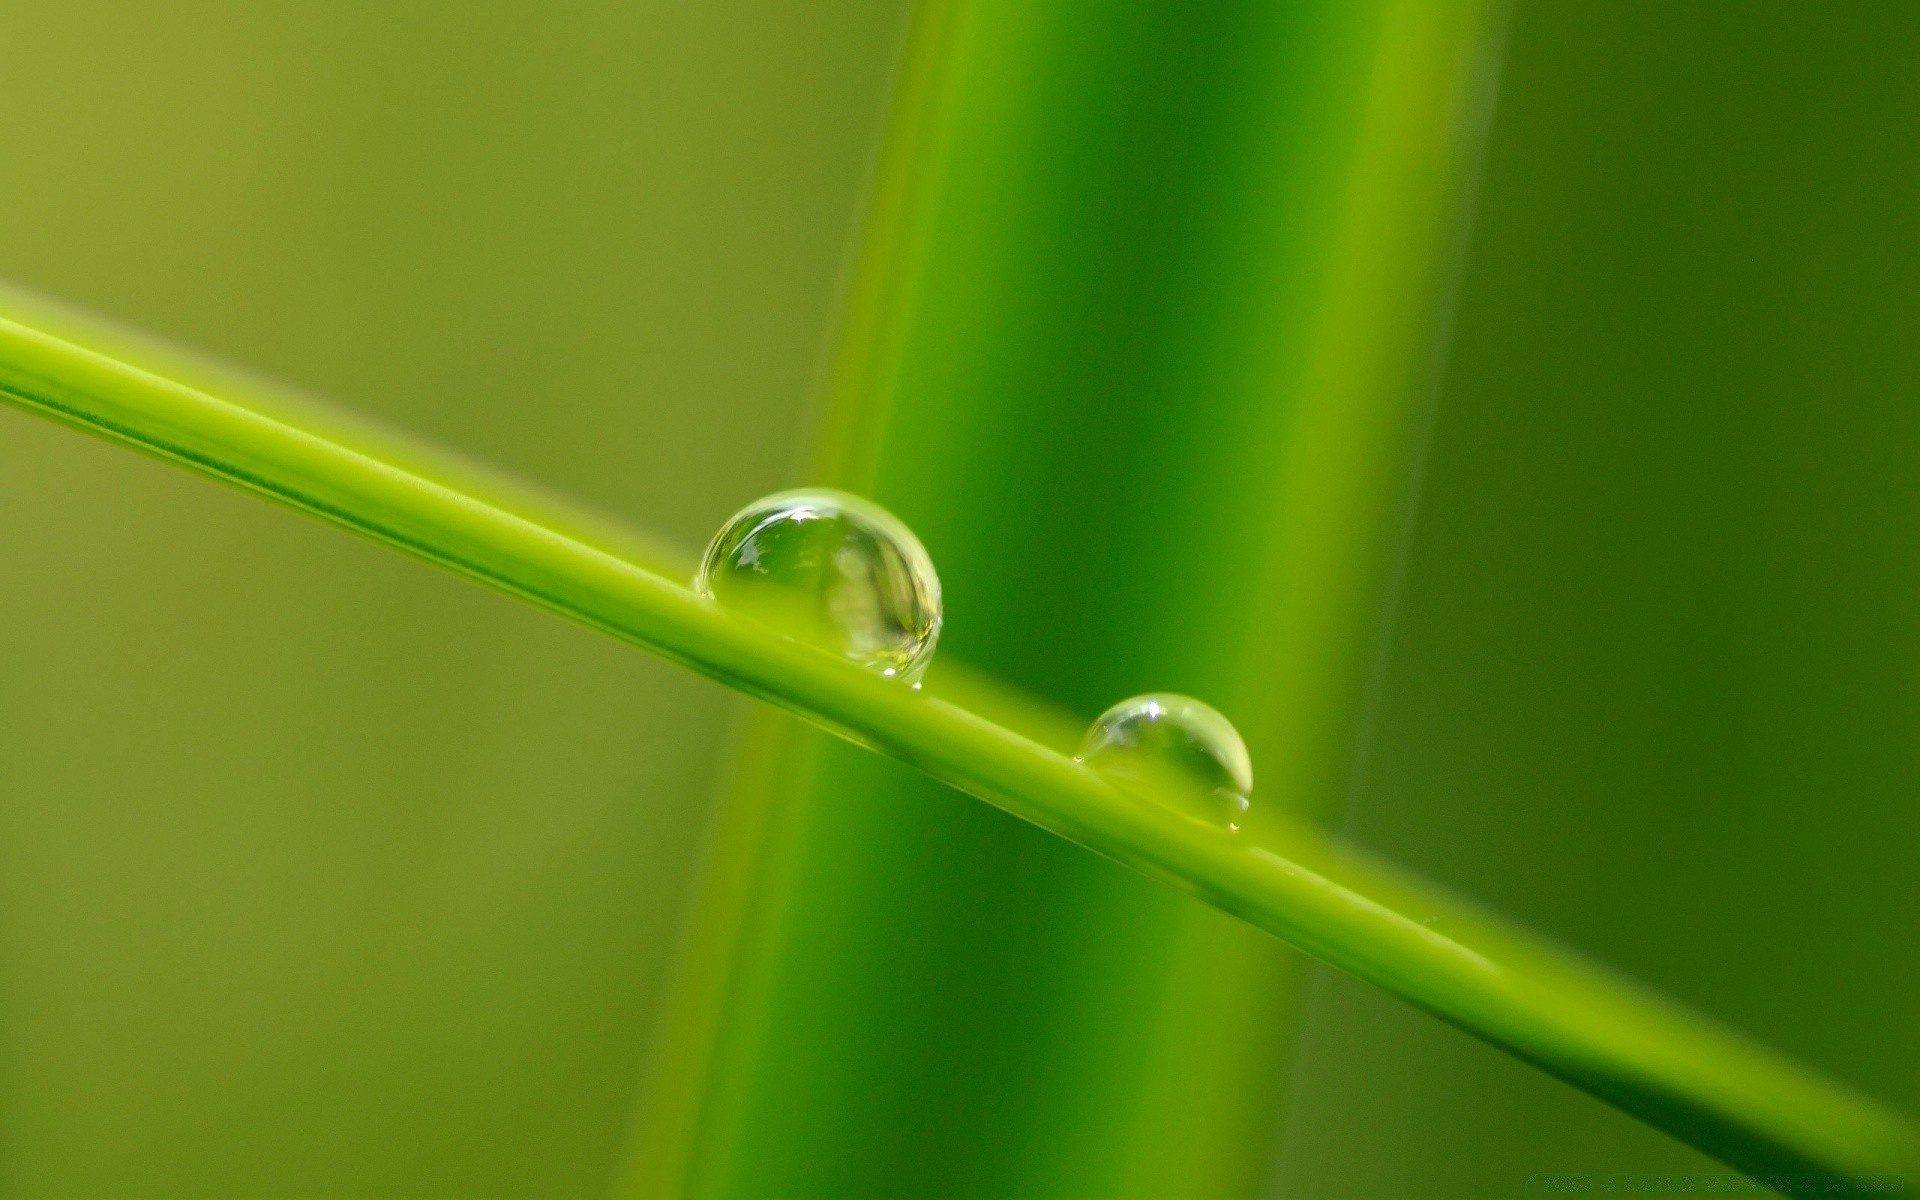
1673	1069
1163	277
290	406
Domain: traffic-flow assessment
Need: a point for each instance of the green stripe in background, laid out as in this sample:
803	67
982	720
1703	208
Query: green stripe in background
1138	345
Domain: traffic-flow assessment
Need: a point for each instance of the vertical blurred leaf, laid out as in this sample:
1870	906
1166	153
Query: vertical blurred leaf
1138	347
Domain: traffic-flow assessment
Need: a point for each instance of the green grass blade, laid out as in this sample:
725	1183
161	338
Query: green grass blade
1144	307
313	415
1675	1070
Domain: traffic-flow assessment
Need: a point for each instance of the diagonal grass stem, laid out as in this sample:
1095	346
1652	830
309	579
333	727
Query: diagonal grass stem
1673	1069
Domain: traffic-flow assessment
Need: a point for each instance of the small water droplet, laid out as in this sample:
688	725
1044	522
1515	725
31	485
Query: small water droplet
834	571
1177	750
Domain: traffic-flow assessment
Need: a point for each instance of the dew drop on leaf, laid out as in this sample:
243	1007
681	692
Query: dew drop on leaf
834	571
1175	750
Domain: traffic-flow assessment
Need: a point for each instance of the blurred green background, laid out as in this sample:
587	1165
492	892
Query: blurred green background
324	873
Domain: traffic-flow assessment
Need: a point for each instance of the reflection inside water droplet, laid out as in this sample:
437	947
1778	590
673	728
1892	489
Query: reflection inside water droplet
1175	750
834	571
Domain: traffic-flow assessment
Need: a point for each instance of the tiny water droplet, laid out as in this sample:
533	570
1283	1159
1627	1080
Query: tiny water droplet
834	571
1177	750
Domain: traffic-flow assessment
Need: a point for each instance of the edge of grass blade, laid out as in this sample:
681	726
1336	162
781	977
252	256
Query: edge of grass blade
291	406
1673	1069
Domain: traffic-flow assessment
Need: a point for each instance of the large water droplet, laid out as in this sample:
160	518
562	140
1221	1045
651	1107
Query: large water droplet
831	570
1176	750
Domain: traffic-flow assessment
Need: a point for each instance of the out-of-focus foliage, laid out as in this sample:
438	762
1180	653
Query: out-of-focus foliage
1138	346
322	873
1656	676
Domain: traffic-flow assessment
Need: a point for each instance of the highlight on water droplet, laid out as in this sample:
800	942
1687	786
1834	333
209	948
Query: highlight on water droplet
834	571
1175	750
